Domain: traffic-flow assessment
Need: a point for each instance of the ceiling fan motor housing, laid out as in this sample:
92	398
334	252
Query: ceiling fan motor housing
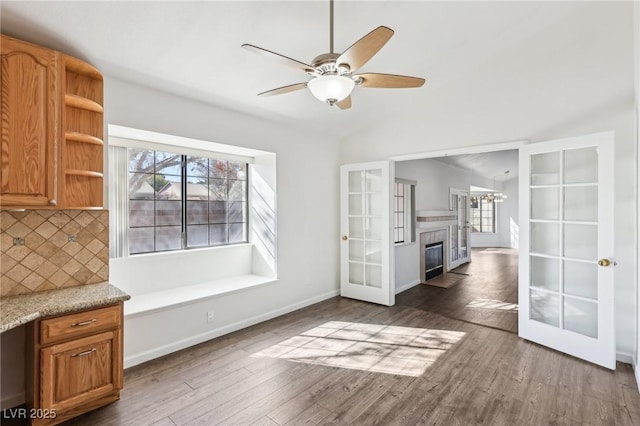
325	64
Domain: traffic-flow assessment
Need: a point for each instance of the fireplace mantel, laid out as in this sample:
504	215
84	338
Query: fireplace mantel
435	219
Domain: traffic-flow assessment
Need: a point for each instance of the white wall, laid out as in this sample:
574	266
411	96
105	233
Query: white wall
307	204
636	22
147	273
434	179
508	227
484	239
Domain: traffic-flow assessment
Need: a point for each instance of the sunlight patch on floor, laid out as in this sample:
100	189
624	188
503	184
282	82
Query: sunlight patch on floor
492	304
380	348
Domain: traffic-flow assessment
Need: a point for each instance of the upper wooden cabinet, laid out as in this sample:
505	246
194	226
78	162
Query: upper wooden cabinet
30	124
52	129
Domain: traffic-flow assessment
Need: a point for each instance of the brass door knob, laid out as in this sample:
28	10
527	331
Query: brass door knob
604	262
345	238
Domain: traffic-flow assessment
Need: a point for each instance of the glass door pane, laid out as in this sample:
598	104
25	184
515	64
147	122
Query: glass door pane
545	307
581	165
365	227
581	316
459	232
563	241
463	221
455	235
567	251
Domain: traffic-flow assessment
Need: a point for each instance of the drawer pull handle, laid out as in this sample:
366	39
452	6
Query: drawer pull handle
83	323
85	353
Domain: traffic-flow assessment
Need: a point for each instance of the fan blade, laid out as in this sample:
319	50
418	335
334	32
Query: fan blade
284	89
390	81
280	58
362	50
345	103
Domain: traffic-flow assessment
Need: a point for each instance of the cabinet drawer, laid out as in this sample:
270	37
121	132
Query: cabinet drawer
79	323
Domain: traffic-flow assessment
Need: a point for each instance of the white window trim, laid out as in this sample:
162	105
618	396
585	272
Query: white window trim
126	137
495	222
144	139
258	262
409	212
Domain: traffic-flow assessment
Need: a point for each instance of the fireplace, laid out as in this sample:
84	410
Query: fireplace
434	245
433	260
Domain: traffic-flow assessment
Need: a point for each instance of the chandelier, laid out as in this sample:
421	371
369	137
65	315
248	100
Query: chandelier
491	197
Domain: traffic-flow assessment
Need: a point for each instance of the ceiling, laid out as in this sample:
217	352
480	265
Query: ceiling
491	165
506	60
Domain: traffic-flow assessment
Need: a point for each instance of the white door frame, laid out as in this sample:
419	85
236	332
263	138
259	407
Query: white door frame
501	146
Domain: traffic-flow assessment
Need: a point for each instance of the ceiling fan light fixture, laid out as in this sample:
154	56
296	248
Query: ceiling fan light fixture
331	88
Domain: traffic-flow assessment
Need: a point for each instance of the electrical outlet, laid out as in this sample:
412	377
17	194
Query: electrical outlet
210	316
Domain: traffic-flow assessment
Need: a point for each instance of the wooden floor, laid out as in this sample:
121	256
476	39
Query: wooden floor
491	276
482	376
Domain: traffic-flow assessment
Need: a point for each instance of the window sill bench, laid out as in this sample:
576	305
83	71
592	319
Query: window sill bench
145	303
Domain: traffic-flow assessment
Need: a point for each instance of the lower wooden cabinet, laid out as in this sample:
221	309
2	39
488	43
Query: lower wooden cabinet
77	363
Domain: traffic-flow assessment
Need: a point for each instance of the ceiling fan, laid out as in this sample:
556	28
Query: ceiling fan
333	79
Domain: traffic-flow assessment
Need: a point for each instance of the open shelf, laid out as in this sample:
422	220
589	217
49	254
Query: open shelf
82	103
86	173
80	67
83	189
83	138
83	150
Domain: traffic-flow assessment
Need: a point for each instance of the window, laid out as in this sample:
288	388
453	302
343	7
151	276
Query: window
403	211
399	213
183	201
483	216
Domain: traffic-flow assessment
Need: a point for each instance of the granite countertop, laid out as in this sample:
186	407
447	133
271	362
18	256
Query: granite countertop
20	309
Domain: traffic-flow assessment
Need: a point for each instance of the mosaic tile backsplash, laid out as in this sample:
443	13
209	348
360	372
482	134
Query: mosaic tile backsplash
49	249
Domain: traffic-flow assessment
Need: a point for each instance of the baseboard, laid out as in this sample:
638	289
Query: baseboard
407	286
628	358
12	400
145	356
625	357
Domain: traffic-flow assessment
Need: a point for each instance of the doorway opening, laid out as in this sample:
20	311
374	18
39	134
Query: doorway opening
473	196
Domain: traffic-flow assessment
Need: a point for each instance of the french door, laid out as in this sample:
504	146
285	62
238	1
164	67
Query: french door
459	234
566	274
365	247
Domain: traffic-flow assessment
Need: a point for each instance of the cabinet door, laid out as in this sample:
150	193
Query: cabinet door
80	371
30	117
